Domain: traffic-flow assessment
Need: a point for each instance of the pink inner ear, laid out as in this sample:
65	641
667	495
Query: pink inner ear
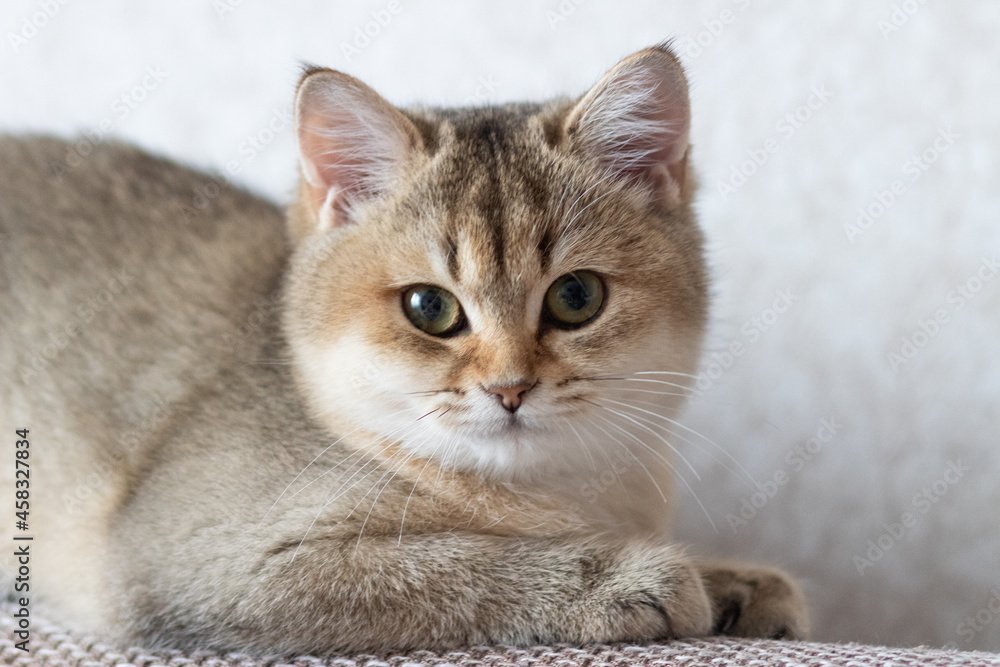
333	157
351	141
329	160
636	121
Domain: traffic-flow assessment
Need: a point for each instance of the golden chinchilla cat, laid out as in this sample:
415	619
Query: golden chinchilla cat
371	428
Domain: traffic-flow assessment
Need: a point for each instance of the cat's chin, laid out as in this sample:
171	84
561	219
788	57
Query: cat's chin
515	450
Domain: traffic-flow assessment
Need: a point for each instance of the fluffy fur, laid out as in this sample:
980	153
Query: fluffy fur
305	470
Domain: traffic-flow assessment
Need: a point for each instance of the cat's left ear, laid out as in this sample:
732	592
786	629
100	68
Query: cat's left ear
635	121
353	145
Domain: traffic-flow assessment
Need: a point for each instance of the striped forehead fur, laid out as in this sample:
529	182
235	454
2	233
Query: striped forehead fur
494	204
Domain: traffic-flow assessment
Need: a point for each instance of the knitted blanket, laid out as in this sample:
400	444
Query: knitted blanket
51	645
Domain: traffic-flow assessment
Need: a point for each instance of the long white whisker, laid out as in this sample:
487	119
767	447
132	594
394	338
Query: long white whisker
362	452
415	482
659	392
651	380
734	460
340	491
646	428
585	446
301	472
632	454
688	395
668	464
377	496
327	504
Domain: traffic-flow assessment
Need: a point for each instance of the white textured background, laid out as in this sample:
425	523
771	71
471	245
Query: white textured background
226	75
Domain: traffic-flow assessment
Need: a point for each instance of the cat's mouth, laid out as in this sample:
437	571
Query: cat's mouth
502	426
506	425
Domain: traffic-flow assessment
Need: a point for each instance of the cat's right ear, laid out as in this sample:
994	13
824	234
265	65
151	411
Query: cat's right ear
352	145
635	122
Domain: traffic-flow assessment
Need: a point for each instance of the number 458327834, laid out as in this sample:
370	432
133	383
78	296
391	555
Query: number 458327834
22	478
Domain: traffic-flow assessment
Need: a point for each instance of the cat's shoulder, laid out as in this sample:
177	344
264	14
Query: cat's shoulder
91	179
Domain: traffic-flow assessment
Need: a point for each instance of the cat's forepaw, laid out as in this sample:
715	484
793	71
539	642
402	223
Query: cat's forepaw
646	592
749	601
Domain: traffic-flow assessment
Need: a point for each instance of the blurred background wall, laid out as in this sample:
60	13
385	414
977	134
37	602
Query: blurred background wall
848	154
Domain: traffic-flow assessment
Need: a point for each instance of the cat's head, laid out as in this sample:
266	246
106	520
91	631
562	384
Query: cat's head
489	286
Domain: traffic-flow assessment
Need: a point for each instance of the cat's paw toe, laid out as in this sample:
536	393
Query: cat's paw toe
755	602
652	593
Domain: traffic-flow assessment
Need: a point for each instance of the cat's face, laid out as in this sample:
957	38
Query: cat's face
486	287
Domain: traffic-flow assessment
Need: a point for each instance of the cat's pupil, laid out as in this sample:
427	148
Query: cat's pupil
574	294
428	303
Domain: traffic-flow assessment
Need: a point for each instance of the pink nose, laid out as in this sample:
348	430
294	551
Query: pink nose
510	395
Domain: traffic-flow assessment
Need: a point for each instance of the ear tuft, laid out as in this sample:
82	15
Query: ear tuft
352	143
635	121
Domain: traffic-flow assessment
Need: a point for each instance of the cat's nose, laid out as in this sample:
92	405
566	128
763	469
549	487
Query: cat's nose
510	394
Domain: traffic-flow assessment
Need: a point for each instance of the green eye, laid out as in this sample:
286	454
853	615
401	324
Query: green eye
574	299
433	310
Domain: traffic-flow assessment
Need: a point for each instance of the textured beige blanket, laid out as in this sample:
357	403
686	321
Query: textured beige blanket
50	645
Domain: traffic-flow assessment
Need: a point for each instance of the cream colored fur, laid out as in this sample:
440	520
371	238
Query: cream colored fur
246	444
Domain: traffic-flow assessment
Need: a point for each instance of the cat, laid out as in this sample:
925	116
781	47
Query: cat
371	427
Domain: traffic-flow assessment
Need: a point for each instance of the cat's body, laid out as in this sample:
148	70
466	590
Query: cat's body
215	461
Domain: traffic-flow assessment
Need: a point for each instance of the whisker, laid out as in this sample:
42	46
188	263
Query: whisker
664	382
669	465
632	454
687	395
678	373
646	428
429	413
739	466
658	392
415	482
362	452
388	469
585	446
377	496
341	491
300	474
359	453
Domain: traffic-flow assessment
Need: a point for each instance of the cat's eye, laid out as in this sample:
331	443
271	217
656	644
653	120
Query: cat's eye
574	299
433	310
